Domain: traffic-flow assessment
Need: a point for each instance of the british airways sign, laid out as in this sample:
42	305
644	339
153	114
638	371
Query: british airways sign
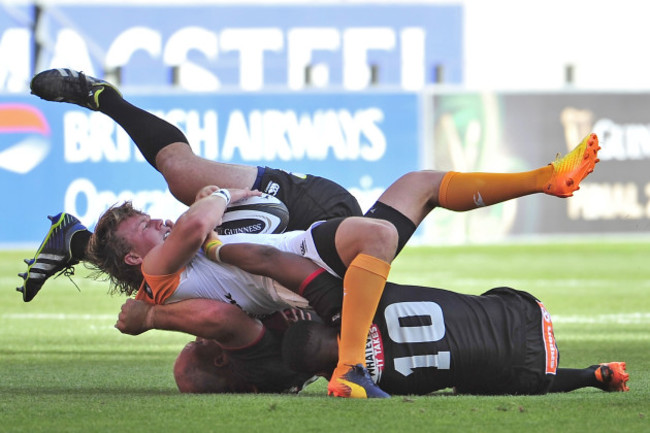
60	157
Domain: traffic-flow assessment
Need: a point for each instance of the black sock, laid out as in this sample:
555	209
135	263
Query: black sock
78	244
150	133
569	379
405	227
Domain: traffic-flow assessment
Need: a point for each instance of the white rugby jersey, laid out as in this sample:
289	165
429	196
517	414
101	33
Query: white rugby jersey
299	242
202	278
256	295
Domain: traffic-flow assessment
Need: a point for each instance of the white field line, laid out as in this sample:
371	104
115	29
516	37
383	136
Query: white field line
623	318
619	319
522	283
58	316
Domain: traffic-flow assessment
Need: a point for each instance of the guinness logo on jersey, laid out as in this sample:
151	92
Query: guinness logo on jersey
375	354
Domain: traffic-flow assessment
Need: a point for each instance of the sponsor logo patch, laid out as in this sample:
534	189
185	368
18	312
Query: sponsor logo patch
549	341
375	354
272	188
249	228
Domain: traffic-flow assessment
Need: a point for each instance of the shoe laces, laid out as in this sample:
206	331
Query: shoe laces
68	271
78	85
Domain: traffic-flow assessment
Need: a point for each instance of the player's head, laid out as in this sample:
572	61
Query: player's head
310	347
203	367
122	237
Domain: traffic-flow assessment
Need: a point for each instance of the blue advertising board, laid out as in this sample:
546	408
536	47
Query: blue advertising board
56	157
250	47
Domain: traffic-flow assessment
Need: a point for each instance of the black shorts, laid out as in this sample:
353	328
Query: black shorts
534	372
324	234
308	198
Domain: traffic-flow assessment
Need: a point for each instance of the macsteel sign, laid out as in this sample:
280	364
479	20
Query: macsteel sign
249	48
56	157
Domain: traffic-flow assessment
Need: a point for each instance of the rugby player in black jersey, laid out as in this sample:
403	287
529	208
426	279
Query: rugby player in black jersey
422	340
425	339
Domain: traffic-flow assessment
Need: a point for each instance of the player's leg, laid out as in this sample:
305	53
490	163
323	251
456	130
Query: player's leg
609	377
186	173
415	194
166	148
162	144
365	247
465	191
308	198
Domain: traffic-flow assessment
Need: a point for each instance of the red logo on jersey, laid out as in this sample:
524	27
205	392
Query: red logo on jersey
375	353
549	340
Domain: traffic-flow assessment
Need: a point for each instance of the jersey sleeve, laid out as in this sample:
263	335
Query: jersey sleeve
160	287
260	364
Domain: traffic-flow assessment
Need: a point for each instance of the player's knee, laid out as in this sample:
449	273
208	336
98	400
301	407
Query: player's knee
388	236
380	240
174	158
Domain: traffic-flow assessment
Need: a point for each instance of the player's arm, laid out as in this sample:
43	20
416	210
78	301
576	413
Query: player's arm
191	229
288	269
205	318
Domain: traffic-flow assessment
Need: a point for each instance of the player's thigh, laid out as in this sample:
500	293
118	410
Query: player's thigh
308	198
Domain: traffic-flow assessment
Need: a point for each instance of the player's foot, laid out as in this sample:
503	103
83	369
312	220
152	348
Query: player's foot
353	381
569	170
54	255
67	85
613	376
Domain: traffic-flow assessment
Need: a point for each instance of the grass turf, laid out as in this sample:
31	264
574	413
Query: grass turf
64	368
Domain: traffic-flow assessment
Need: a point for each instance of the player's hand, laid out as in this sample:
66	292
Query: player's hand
293	315
206	191
135	317
237	194
281	320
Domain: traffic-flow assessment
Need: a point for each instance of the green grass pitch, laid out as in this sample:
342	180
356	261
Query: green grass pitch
64	368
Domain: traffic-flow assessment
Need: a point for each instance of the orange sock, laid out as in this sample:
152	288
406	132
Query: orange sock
465	191
363	286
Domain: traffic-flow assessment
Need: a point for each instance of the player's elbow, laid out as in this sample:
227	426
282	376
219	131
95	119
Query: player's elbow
193	228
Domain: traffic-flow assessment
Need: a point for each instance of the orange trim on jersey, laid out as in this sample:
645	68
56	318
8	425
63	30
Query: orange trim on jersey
142	294
549	341
162	287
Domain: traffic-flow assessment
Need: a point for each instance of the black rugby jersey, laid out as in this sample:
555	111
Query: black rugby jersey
426	339
260	364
